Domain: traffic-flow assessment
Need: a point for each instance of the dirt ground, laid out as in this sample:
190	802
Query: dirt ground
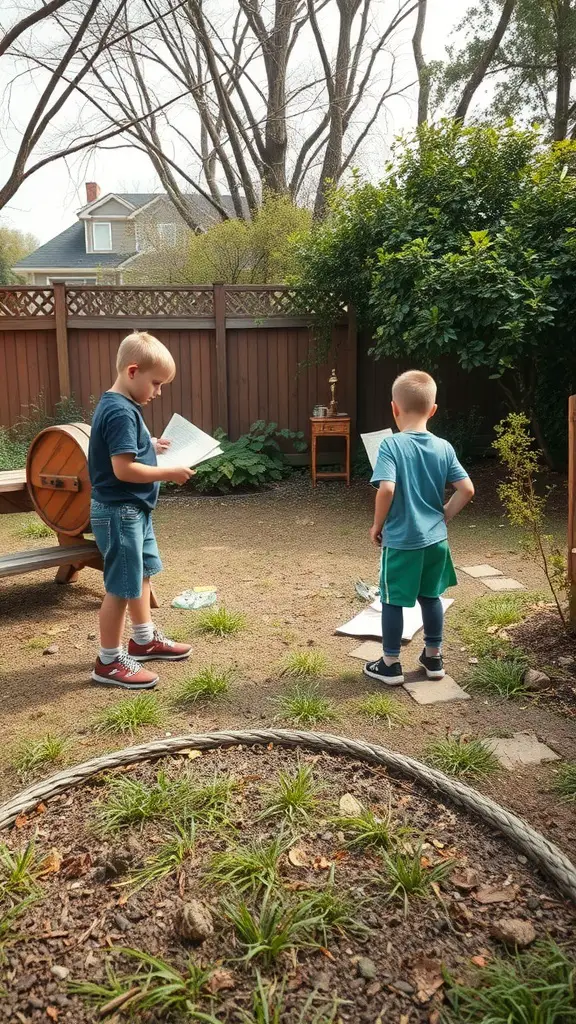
288	558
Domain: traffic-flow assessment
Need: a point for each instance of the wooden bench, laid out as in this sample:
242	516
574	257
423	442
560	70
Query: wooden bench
14	496
69	560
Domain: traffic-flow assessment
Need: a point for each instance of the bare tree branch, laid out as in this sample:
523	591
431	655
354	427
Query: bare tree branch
421	65
483	64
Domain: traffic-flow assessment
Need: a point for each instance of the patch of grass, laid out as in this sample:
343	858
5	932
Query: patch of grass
131	802
37	643
565	782
293	797
249	868
220	622
304	664
305	705
156	985
19	871
35	754
409	877
182	632
274	928
499	677
169	857
130	714
457	755
205	685
338	911
9	914
34	529
477	625
536	987
269	1005
380	706
370	831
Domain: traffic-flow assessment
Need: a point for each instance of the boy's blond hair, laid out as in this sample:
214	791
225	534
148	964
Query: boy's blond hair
414	391
147	353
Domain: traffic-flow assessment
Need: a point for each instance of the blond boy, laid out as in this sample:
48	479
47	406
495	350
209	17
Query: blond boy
410	517
125	480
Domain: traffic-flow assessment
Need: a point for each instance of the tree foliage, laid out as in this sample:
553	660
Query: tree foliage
14	245
467	248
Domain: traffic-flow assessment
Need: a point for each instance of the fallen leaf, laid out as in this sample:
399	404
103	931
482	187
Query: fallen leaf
327	952
51	863
438	844
434	1017
492	630
350	807
52	1012
491	894
40	809
75	867
479	961
219	980
298	857
21	820
322	864
193	754
428	978
270	746
465	878
298	885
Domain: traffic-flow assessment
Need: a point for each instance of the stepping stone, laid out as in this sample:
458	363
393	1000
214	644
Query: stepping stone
434	691
502	583
369	651
479	572
522	748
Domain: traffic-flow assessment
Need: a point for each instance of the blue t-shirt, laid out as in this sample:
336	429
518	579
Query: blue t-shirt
118	428
420	464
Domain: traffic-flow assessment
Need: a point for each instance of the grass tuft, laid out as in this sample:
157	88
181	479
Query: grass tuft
130	714
410	876
305	705
170	856
370	831
249	868
293	797
274	928
34	529
19	870
269	1005
478	624
499	677
457	755
380	706
536	987
130	802
220	622
35	754
338	911
565	782
304	664
205	685
38	643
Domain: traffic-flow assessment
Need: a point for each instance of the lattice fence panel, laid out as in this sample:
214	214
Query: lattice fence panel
136	302
27	302
258	302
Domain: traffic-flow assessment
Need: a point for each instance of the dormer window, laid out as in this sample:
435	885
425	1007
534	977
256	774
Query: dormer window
167	233
102	236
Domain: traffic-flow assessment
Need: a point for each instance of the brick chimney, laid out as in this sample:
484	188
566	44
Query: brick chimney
92	191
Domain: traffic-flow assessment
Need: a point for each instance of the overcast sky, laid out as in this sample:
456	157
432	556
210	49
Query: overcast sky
48	201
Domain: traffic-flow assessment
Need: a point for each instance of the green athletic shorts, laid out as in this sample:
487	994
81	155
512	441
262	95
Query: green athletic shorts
407	575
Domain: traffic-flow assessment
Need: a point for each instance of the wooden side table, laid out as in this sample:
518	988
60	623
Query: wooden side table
330	426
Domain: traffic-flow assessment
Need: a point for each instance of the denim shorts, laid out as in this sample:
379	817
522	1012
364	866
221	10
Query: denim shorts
125	538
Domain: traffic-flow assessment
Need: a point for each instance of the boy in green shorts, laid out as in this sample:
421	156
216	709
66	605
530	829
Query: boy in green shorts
410	517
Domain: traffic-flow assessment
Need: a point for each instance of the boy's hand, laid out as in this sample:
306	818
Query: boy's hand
376	536
180	474
161	444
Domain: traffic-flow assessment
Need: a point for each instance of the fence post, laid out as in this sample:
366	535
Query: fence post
221	356
572	508
60	317
352	345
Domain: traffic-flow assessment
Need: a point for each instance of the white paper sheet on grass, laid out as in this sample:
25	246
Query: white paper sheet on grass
369	622
372	442
190	445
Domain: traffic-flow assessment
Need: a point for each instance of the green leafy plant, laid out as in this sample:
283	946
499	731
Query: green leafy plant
19	871
409	877
305	664
380	706
170	856
368	830
208	684
253	461
305	705
462	430
34	529
249	868
565	781
503	677
130	714
35	754
536	987
130	802
525	508
338	912
293	797
220	622
274	928
479	624
463	756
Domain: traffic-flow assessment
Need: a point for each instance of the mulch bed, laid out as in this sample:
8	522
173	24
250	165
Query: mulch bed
81	916
552	648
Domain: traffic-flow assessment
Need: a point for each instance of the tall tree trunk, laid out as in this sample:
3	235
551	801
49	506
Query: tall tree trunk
421	65
562	18
479	72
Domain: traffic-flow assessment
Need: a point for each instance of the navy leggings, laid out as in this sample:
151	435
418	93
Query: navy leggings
393	621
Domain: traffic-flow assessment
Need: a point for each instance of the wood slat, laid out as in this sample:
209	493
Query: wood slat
21	562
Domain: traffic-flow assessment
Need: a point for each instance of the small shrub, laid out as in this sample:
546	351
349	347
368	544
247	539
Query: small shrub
500	677
409	877
12	451
36	753
220	622
565	782
304	705
130	714
34	529
255	460
293	797
304	664
380	706
208	684
456	755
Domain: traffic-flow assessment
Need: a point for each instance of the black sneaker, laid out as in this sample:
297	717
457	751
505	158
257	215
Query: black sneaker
389	674
434	667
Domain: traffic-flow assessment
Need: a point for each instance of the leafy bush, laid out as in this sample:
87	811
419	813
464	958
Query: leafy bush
253	461
15	441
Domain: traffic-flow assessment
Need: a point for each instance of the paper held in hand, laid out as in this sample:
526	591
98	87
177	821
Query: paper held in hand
372	443
190	445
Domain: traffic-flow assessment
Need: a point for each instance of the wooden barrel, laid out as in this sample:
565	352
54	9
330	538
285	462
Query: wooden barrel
57	477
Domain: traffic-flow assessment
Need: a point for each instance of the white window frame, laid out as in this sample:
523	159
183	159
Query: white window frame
171	241
72	280
102	224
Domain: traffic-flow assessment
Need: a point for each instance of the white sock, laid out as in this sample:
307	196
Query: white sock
109	654
143	633
391	659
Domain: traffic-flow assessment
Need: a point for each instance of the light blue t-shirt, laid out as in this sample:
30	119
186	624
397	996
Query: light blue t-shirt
420	464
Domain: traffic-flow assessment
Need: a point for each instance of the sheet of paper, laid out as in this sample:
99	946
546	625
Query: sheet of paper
189	446
369	622
372	442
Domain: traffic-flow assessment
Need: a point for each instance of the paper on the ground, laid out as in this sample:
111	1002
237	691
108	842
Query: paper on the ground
190	445
369	622
372	442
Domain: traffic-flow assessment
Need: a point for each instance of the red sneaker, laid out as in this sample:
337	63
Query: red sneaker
160	648
124	672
